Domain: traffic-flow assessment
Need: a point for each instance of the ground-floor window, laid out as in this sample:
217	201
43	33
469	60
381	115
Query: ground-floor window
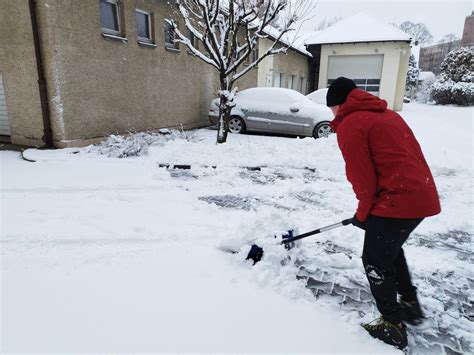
110	17
369	85
279	80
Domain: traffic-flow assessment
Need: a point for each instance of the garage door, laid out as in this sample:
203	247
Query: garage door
365	70
4	124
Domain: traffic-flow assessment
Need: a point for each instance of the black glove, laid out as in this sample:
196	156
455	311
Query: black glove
357	223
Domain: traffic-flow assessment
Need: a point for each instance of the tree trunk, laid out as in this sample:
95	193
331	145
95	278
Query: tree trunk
225	106
224	117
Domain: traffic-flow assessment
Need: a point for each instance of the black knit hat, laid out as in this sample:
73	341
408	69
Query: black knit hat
338	91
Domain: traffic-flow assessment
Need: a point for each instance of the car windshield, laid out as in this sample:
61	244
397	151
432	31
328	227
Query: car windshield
276	95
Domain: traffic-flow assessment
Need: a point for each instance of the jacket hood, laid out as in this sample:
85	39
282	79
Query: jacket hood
358	100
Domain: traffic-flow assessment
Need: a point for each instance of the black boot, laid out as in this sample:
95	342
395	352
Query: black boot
389	333
411	311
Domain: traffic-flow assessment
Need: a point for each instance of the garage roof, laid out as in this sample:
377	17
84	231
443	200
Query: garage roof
359	28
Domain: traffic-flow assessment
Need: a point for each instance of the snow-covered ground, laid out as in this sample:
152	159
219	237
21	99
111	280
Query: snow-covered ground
101	254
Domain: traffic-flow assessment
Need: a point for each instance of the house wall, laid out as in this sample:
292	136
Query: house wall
394	71
431	57
291	63
468	31
99	86
265	67
18	69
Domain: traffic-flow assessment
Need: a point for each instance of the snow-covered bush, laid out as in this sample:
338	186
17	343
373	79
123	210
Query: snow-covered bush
423	93
125	146
412	75
455	84
136	144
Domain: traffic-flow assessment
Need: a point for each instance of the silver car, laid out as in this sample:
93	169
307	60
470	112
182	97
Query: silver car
276	110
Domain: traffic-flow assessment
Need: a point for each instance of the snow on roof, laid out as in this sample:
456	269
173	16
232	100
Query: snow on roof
359	28
294	39
426	75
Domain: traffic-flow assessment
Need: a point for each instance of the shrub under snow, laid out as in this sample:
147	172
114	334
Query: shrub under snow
455	83
136	144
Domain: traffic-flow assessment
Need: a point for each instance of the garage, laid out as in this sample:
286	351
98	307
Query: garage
4	124
373	53
365	70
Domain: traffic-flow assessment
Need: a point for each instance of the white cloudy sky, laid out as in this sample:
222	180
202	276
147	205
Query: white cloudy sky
441	17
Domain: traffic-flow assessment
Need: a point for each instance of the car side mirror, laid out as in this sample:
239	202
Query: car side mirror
294	108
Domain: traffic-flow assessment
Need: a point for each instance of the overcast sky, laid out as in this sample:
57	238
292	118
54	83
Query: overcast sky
440	17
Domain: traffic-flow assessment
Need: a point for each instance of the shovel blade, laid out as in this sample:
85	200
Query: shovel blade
255	254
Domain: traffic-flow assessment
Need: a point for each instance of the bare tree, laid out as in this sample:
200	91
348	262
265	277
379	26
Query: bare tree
224	34
418	31
451	37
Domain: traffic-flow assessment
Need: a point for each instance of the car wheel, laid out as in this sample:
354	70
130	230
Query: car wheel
236	125
322	129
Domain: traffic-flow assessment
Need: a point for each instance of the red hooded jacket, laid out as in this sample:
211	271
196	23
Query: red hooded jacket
384	162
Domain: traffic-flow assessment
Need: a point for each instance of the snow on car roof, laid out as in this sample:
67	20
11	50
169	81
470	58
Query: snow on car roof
359	28
265	92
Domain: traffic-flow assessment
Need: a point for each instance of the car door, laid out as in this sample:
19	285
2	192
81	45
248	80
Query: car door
282	119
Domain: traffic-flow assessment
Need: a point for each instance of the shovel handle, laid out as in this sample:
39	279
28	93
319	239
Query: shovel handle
317	231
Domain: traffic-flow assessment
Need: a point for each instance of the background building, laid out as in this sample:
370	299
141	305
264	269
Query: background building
374	54
110	66
288	70
431	57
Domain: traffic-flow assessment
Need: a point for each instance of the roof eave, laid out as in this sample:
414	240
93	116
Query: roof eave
354	42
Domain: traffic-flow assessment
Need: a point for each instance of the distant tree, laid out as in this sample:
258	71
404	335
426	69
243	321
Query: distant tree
325	23
451	37
418	31
412	74
455	85
225	34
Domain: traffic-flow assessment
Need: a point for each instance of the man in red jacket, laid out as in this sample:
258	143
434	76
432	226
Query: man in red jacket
395	189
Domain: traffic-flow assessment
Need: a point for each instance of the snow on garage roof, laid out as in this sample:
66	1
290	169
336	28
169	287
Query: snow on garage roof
359	28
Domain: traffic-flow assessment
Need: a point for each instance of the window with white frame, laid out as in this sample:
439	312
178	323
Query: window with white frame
144	26
369	85
110	19
282	80
294	82
302	85
276	80
170	37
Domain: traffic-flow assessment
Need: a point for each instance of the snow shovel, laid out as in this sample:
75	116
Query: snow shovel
256	252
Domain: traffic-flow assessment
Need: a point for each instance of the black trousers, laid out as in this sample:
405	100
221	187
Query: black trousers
385	264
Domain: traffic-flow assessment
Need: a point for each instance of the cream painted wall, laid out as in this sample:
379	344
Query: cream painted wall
292	63
394	71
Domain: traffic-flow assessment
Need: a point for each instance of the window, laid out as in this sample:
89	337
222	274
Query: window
144	26
252	57
279	81
302	85
282	79
193	40
170	37
110	17
290	81
254	54
276	81
294	82
369	85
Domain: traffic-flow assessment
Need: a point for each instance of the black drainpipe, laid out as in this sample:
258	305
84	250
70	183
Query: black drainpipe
47	131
